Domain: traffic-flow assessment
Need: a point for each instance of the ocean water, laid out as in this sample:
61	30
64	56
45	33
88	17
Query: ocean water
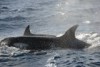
51	17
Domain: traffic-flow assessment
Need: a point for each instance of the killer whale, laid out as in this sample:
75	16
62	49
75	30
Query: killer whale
27	32
68	40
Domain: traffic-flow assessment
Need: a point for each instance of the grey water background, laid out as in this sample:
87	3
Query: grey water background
50	17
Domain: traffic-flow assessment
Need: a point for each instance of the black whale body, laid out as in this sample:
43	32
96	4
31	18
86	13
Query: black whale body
34	43
68	40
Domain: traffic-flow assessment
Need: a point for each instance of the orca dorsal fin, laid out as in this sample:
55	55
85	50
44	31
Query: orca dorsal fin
70	34
27	30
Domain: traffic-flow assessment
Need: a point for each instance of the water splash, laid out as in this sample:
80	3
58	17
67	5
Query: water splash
92	38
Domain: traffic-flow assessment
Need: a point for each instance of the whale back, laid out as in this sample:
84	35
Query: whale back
27	32
68	40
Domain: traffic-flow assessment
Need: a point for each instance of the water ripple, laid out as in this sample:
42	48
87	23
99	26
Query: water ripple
10	18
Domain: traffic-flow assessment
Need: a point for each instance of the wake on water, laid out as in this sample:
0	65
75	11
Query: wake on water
89	57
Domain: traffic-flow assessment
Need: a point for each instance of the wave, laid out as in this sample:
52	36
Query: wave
10	18
4	9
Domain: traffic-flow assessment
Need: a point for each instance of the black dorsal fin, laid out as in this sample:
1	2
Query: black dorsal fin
27	30
70	34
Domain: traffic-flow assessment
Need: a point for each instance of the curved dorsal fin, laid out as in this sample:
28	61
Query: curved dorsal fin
27	30
70	34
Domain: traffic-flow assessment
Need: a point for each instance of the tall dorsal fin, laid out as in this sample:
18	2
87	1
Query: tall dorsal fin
27	30
70	34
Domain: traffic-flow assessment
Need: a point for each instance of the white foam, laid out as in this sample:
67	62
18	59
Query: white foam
83	36
91	38
59	35
51	62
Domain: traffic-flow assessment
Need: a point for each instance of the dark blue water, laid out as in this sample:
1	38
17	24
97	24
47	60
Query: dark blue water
50	17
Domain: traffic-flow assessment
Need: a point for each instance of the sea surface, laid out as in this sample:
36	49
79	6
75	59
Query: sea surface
52	17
